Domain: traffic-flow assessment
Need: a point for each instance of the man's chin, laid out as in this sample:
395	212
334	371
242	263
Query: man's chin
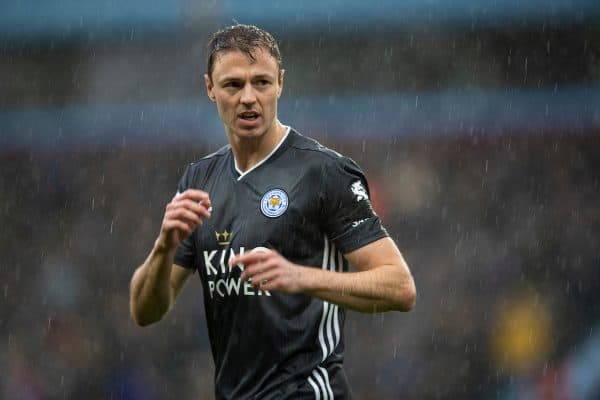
249	134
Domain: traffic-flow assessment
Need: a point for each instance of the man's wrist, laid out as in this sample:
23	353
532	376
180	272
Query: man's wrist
161	247
309	280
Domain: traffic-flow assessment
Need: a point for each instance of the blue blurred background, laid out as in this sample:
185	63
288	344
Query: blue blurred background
476	122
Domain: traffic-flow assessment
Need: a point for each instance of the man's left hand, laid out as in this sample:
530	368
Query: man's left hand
268	270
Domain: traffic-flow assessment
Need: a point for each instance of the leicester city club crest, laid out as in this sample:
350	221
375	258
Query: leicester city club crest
274	203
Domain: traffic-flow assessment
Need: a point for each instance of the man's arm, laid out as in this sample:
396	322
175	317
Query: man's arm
154	288
157	282
383	281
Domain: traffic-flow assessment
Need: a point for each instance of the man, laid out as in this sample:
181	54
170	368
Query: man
270	223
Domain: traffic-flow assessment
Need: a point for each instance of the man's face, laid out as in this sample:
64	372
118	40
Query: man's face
246	92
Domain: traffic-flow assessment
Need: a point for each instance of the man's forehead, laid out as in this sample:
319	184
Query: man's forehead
233	58
233	64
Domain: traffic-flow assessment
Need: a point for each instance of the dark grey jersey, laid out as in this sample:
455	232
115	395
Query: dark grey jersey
311	205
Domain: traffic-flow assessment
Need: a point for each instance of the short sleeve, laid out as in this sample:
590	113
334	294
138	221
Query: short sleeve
348	216
185	254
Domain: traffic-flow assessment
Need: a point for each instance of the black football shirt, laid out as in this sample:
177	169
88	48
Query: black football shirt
311	205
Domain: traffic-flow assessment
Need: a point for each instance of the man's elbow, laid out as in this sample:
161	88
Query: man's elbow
145	318
143	321
406	297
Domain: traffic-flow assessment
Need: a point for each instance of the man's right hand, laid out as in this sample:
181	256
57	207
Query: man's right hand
184	213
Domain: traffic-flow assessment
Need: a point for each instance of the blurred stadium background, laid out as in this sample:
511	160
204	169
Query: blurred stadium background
477	123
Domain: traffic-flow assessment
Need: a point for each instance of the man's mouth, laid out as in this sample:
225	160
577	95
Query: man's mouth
248	115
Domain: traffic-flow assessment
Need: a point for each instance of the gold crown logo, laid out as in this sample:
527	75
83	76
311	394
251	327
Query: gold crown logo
223	237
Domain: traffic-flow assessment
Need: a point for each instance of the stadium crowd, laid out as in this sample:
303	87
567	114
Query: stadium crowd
501	233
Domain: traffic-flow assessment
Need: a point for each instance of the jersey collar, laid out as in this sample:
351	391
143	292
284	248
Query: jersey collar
261	162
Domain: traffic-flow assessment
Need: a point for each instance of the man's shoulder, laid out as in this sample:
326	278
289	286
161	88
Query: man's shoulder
198	172
216	156
315	155
312	148
310	155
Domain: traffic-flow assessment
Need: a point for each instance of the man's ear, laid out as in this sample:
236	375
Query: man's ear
280	81
209	87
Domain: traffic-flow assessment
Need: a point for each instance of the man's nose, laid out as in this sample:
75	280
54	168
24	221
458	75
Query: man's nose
248	96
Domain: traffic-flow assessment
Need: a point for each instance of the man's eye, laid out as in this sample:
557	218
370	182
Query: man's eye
263	82
232	85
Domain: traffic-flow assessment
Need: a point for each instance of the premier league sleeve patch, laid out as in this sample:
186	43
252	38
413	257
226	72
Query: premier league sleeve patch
274	203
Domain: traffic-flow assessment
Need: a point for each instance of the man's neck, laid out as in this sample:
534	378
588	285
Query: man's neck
249	152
